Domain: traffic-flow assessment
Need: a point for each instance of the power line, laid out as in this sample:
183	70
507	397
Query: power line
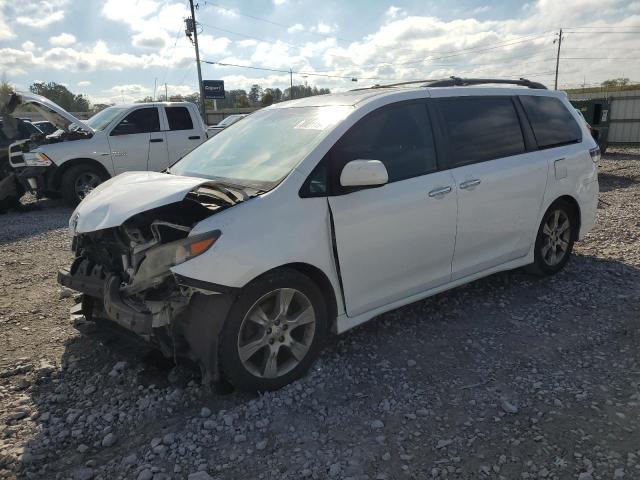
265	20
268	69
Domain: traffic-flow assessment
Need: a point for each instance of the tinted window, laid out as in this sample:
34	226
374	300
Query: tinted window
481	128
399	136
143	120
179	118
551	122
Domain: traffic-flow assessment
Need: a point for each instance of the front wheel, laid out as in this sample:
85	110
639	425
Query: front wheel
274	332
554	243
78	181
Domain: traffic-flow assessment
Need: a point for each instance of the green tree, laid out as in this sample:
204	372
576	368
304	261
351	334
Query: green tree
255	94
616	82
61	95
267	98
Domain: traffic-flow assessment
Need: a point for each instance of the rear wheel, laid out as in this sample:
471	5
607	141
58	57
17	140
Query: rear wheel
274	332
555	239
78	181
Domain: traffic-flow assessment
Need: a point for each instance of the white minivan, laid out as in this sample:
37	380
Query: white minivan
315	215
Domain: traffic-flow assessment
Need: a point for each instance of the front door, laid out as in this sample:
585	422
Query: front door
134	138
500	184
396	240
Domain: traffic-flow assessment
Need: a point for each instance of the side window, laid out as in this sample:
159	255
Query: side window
480	128
179	118
142	120
551	122
399	136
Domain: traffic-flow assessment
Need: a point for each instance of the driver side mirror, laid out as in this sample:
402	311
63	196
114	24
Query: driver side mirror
364	173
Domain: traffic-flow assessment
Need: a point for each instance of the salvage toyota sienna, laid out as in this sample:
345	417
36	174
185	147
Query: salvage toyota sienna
315	215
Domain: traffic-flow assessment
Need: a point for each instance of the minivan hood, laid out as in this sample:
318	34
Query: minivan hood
113	202
51	111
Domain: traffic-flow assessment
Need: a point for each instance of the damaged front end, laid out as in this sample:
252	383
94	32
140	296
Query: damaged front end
125	275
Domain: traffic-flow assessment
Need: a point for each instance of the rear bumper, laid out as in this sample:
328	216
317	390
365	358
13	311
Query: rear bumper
588	207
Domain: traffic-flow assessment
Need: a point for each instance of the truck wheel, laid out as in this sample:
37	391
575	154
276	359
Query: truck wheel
274	331
78	181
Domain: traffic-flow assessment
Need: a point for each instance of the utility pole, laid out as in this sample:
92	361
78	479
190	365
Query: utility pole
166	95
558	57
155	86
290	84
195	42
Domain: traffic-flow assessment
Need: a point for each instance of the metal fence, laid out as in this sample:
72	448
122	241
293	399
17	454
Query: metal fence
623	116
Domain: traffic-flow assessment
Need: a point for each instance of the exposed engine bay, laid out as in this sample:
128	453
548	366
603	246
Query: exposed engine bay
124	274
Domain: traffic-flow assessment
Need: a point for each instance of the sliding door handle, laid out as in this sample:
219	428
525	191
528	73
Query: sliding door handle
470	183
440	192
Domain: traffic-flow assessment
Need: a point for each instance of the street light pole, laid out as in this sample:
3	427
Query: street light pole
195	42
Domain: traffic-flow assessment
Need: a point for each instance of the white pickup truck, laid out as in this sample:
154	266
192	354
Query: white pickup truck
83	154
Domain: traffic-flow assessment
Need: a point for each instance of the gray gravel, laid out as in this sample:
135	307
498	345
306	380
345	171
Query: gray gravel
511	377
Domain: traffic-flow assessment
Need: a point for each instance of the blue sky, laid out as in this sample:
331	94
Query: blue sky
114	50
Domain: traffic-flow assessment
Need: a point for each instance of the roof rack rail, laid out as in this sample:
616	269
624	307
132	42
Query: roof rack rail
388	85
465	82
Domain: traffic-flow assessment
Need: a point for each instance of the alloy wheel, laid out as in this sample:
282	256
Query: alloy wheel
276	333
556	237
85	183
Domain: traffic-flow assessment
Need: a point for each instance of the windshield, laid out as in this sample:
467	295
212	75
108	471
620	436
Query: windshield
229	120
264	147
103	118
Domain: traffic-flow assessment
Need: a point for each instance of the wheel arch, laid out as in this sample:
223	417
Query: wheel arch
320	279
575	207
62	169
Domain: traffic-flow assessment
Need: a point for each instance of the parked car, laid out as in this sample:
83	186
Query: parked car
318	214
226	122
45	127
81	155
10	188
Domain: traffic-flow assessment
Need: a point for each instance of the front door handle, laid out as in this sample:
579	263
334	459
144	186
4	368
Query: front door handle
156	140
440	192
194	137
470	183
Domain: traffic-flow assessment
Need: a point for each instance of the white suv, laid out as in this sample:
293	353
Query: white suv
318	214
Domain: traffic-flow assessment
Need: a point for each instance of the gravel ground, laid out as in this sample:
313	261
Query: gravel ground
511	377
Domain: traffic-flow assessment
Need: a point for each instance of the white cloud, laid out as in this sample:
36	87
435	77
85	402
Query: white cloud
62	40
298	27
5	30
247	43
29	46
40	13
324	28
481	9
84	83
150	40
279	2
395	12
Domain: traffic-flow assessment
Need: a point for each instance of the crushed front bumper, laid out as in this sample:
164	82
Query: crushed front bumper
36	180
189	328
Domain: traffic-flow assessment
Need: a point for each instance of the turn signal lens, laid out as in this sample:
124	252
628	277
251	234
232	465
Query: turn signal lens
196	245
37	159
200	247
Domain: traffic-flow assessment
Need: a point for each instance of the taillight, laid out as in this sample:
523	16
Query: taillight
595	154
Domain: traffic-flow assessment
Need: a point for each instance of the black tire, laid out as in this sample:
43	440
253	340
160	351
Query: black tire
542	264
232	367
71	177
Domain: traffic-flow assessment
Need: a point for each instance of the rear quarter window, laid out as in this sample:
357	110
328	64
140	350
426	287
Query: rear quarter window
552	124
179	118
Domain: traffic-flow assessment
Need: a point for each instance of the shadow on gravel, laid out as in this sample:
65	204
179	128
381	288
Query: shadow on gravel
33	219
111	396
611	181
